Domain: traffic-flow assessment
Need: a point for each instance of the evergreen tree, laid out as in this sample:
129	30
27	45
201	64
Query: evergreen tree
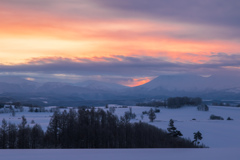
3	135
53	130
89	129
173	130
71	131
197	137
37	136
151	115
23	137
12	136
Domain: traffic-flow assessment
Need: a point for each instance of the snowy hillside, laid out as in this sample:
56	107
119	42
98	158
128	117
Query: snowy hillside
206	87
190	83
120	154
216	133
97	85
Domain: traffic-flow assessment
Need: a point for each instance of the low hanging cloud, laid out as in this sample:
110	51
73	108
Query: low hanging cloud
226	60
115	66
122	65
125	70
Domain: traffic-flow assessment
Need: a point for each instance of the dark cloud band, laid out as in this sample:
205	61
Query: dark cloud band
122	65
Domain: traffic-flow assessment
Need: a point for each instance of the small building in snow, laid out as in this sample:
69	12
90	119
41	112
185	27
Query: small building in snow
9	106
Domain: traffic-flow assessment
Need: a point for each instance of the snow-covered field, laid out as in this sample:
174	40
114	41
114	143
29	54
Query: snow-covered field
121	154
222	136
41	118
216	133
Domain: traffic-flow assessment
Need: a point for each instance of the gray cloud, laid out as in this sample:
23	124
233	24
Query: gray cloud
225	60
118	65
222	15
122	66
119	69
219	12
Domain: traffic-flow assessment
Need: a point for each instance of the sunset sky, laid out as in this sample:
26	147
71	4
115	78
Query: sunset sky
128	42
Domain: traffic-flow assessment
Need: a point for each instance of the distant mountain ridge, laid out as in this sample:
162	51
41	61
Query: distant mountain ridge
58	93
99	85
213	87
192	82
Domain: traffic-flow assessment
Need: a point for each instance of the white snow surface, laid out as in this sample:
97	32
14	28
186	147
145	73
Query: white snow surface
222	136
216	133
121	154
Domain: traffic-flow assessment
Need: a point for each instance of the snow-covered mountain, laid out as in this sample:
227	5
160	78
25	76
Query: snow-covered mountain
58	93
99	85
17	85
207	87
190	85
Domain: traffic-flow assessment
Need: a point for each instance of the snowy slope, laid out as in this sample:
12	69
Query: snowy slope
216	133
213	87
121	154
187	82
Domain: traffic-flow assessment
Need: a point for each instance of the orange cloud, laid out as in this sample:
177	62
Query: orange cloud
25	34
136	81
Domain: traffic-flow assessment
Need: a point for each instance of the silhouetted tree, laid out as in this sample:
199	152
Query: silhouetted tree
53	130
176	102
12	136
197	137
37	136
151	115
89	128
23	137
173	130
3	135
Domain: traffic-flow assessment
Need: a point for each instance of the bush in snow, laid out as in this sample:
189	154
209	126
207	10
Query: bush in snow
144	112
157	110
213	117
203	107
129	115
229	118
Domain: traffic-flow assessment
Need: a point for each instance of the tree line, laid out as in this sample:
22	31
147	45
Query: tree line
88	128
177	102
173	102
152	103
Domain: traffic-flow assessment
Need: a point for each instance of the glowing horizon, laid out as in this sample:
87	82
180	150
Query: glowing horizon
95	30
